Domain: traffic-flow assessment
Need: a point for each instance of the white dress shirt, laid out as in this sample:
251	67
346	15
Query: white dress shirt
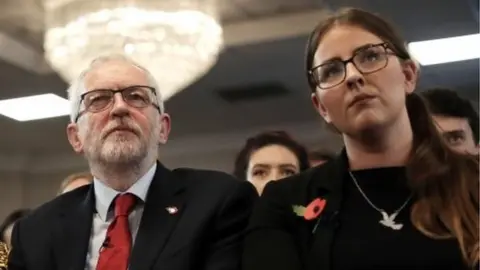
104	215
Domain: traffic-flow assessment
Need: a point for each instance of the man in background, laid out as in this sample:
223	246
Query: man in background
74	181
456	119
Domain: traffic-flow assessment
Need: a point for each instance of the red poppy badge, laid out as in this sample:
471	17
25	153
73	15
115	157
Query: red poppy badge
312	210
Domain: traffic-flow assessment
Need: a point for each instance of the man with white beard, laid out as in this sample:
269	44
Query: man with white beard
137	214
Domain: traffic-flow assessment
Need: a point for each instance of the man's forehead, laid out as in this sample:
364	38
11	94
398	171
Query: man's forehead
114	74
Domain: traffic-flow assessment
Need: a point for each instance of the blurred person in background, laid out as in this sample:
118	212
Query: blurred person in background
455	118
4	251
397	197
270	156
74	181
320	156
138	214
7	225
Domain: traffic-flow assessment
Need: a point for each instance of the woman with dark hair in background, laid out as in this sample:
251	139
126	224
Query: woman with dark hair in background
397	197
7	226
270	156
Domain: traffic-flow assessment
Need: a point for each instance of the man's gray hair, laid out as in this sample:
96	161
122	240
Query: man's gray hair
77	87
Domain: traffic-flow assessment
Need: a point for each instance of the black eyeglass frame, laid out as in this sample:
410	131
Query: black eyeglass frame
113	92
388	51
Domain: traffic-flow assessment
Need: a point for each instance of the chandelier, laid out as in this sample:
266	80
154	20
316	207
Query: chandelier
178	41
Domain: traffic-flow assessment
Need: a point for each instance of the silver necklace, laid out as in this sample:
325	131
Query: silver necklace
387	220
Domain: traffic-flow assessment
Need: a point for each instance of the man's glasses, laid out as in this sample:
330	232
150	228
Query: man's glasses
137	96
367	60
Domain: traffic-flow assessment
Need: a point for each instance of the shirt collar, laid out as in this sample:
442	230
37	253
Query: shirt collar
104	195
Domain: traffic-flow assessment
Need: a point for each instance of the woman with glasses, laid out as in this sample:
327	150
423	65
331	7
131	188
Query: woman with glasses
397	197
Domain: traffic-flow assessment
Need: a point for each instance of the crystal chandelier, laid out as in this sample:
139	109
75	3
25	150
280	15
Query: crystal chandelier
177	40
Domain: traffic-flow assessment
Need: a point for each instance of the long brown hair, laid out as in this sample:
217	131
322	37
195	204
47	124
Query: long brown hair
446	184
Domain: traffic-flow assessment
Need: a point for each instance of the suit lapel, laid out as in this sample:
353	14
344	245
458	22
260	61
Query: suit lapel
157	222
327	183
73	234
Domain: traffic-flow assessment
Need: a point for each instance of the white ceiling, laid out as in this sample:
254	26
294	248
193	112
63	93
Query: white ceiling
266	40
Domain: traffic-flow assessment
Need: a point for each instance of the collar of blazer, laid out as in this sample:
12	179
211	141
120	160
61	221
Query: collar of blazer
73	228
326	182
329	177
165	184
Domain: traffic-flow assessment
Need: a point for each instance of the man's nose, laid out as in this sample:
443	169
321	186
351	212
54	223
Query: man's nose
119	107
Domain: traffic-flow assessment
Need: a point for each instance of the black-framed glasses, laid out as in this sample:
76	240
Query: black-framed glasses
366	60
137	96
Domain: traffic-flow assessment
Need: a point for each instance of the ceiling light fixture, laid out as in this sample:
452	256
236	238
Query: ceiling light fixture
177	40
35	107
445	50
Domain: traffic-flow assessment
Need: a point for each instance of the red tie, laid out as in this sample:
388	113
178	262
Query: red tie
115	251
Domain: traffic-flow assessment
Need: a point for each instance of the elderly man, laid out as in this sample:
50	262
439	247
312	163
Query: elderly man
138	214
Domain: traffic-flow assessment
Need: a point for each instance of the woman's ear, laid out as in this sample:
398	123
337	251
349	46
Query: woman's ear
317	103
410	69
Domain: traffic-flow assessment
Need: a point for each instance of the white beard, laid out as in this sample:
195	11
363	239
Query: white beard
122	149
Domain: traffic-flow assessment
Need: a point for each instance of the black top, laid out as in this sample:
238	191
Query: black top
361	242
347	234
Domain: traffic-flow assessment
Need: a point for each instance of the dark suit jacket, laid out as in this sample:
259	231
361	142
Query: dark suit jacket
206	232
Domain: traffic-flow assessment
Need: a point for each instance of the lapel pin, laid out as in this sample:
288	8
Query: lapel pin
172	210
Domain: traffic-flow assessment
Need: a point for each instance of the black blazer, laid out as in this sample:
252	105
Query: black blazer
206	233
278	239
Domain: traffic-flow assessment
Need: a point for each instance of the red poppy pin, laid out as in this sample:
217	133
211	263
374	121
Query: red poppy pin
312	211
